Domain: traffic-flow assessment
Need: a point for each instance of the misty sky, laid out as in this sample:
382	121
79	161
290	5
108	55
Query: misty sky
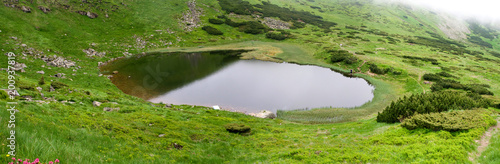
481	9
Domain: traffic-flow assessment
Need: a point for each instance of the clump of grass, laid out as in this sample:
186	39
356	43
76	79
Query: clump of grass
237	128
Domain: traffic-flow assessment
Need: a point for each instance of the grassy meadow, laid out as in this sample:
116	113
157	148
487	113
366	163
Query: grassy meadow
67	126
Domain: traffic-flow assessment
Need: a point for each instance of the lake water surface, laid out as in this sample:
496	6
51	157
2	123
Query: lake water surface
220	78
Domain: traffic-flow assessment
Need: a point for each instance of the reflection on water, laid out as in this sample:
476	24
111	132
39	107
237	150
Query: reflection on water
219	78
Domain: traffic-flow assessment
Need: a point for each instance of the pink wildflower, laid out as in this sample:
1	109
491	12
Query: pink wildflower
11	162
13	159
57	160
51	162
36	161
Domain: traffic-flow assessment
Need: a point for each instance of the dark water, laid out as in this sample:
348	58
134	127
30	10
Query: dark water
220	78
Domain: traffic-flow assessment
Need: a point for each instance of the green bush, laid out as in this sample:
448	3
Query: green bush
429	103
450	121
432	77
297	25
237	128
212	31
26	87
42	81
252	27
216	21
375	69
276	35
57	85
339	55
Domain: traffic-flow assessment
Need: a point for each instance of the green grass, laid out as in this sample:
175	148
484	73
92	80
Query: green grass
82	133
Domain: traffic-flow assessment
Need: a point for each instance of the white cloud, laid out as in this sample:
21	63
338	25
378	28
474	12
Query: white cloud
486	10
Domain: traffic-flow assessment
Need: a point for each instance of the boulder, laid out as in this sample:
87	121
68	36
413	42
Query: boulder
44	9
91	15
264	114
26	9
96	103
40	72
108	109
19	67
59	62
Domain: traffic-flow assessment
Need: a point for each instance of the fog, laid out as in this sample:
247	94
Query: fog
487	11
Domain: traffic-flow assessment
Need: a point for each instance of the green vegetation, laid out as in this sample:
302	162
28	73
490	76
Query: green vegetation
271	10
479	41
237	128
58	85
216	21
450	121
434	102
276	35
212	31
42	81
64	124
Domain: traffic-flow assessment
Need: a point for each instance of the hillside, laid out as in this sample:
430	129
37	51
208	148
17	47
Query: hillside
77	115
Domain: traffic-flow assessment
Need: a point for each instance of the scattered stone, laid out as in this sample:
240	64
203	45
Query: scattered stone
91	53
177	146
44	9
40	72
276	24
52	89
19	67
23	45
91	15
161	135
13	37
127	54
39	88
191	18
58	62
115	72
26	9
108	109
96	103
318	152
59	75
427	82
168	105
12	92
264	114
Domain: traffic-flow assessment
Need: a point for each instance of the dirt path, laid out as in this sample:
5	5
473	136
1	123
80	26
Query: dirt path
418	82
359	68
484	141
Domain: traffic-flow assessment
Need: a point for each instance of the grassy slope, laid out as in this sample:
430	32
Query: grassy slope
83	133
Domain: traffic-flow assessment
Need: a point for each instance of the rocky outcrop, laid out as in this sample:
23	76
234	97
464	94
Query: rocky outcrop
191	18
19	67
108	109
87	13
44	9
276	24
264	114
91	53
58	62
26	9
96	103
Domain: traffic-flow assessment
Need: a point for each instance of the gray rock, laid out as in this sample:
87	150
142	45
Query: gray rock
44	9
40	72
59	75
39	88
19	67
26	9
108	109
52	89
91	15
96	103
264	114
161	135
